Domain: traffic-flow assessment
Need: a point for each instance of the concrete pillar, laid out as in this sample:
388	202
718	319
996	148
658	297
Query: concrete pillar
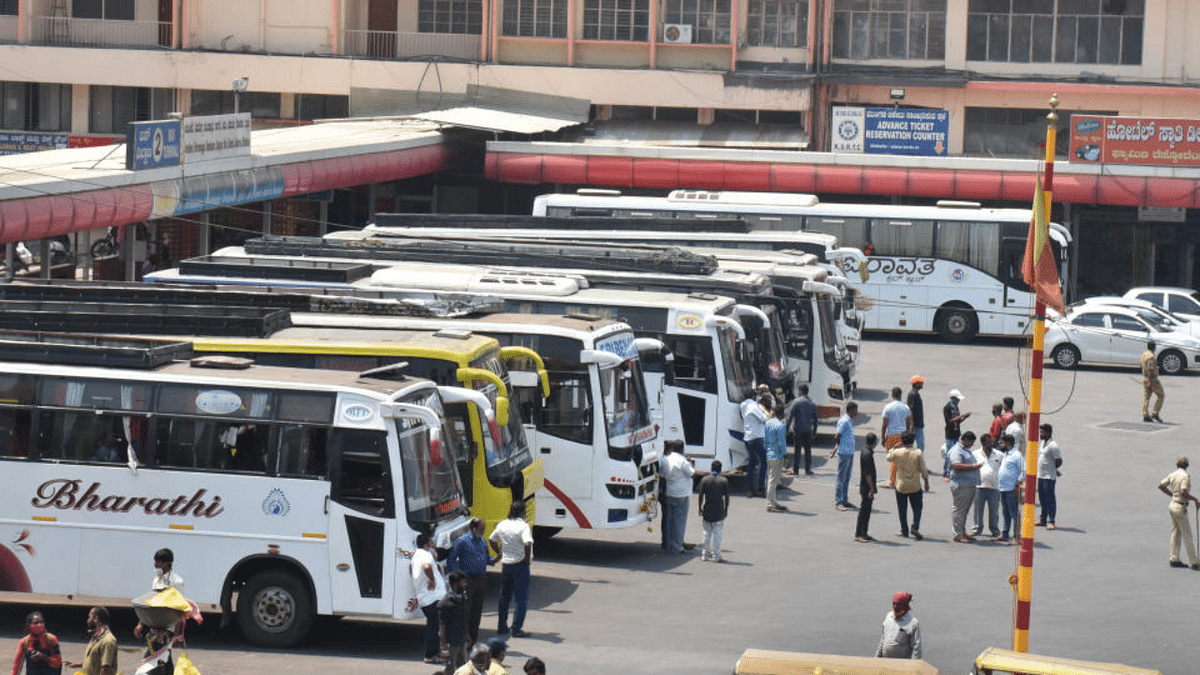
80	109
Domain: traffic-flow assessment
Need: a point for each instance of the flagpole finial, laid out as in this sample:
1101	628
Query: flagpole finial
1053	116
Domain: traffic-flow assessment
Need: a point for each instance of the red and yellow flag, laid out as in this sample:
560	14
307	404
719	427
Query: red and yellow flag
1040	269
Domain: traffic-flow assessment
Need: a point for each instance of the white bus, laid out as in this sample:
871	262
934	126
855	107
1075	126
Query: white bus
954	269
282	493
592	432
712	372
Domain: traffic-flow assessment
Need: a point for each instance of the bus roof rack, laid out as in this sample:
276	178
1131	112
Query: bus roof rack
73	349
274	268
52	316
682	223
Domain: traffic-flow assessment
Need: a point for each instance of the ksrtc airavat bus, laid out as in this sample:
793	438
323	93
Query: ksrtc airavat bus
954	269
284	493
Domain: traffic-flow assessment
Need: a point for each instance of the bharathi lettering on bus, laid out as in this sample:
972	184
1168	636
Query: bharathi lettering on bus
64	494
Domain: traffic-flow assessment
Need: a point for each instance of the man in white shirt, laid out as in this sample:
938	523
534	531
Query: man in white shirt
512	540
676	471
430	588
1016	429
988	492
897	419
754	422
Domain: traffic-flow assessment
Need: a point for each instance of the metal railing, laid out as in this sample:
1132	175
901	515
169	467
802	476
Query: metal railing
382	44
55	30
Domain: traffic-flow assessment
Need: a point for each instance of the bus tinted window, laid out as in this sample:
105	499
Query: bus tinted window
694	363
301	451
975	244
16	389
81	437
363	477
14	433
430	486
206	400
849	231
902	237
567	412
189	443
94	394
297	406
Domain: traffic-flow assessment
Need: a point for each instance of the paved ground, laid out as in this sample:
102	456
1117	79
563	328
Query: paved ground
612	601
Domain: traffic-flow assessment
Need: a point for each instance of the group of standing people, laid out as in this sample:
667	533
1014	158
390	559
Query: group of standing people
453	604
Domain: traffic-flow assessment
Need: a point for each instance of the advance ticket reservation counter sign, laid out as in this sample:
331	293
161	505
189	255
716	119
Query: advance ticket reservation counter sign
890	131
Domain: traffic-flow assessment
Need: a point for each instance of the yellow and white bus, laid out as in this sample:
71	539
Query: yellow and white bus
284	493
592	430
494	459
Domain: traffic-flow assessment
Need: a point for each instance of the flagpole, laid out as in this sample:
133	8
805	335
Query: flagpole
1025	570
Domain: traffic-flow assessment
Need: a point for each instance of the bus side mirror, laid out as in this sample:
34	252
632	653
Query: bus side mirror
502	404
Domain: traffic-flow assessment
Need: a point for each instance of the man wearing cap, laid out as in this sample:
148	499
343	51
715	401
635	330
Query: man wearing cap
897	419
498	649
901	637
954	419
1176	486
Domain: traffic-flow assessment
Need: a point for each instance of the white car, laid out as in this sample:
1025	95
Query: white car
1117	336
1184	302
1149	311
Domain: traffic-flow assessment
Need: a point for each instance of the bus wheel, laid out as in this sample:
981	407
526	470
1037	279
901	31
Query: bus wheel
275	609
956	324
543	532
1065	357
1171	362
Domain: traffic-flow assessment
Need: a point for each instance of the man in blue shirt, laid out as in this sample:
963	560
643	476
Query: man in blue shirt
802	414
470	556
775	437
1008	481
844	450
964	479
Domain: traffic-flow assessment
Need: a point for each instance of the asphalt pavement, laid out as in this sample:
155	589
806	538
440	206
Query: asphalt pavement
613	601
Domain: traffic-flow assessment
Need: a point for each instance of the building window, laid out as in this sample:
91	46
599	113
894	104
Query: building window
1056	31
710	19
31	106
616	20
260	104
103	9
777	23
321	106
890	29
113	108
450	16
1016	132
535	18
9	7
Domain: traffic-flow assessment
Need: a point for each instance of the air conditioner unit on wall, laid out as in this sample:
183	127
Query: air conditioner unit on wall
677	33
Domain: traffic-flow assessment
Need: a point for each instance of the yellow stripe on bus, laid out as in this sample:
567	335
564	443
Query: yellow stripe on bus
46	519
313	535
174	526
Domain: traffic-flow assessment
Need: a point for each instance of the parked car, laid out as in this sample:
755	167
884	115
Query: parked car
1182	301
1117	336
1150	312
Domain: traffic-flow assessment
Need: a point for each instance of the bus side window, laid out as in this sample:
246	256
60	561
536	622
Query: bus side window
301	451
360	471
14	433
81	437
694	367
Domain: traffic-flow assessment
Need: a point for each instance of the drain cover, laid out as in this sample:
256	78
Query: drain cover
1133	426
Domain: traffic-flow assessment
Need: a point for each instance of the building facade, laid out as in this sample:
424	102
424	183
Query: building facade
87	68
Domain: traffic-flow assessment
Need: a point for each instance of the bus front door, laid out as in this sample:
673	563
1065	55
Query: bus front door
362	524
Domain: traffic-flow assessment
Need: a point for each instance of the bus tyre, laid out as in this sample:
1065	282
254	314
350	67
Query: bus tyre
1065	357
1171	362
544	532
275	609
956	324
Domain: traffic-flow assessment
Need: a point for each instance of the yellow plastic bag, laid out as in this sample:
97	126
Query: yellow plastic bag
184	666
172	599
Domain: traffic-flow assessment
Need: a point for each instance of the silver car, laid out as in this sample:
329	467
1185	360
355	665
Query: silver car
1117	336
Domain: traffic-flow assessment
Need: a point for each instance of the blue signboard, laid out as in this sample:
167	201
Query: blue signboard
153	144
16	142
906	131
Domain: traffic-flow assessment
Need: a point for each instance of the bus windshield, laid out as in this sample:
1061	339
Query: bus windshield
505	461
626	411
829	334
431	486
739	371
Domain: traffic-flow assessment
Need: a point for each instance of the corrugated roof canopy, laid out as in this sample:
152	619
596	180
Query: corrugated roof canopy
488	119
